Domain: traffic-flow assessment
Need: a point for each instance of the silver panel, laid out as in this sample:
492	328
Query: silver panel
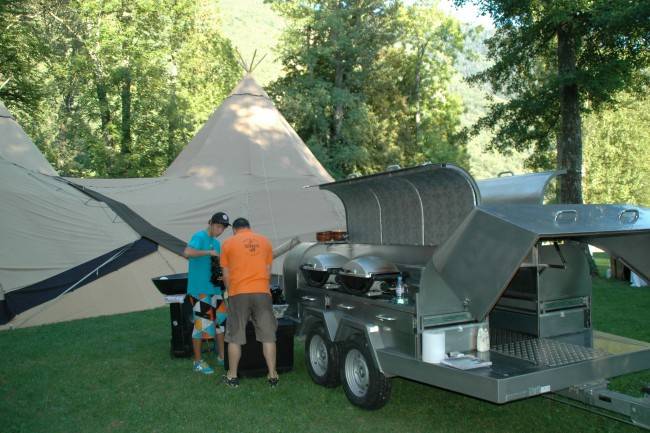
510	378
461	337
631	249
519	321
446	203
520	189
475	265
482	256
393	325
571	282
401	220
564	322
414	206
364	217
291	275
554	221
543	325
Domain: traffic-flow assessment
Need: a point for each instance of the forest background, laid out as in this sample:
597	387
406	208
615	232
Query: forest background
116	88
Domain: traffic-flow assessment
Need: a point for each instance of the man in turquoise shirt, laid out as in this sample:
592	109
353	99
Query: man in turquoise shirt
204	295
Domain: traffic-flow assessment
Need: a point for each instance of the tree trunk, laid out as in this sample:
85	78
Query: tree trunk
569	142
172	124
416	92
338	108
126	112
338	84
125	75
65	117
104	109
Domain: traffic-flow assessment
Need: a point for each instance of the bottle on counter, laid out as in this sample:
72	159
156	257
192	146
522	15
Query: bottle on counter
399	291
483	339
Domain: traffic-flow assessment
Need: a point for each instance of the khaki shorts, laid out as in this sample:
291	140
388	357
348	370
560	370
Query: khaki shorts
259	309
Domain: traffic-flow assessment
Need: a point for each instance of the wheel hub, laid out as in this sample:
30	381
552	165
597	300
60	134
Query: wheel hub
318	355
356	373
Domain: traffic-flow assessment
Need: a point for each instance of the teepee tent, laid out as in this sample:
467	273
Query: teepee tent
108	237
246	161
16	147
56	239
247	136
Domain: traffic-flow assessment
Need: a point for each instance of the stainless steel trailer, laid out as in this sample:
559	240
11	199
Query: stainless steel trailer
475	258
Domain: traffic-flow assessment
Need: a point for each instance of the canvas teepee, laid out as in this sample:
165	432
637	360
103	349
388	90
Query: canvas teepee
99	241
246	161
56	239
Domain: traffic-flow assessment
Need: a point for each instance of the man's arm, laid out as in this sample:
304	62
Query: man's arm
191	252
226	277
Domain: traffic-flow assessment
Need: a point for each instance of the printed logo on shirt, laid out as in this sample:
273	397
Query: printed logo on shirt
253	246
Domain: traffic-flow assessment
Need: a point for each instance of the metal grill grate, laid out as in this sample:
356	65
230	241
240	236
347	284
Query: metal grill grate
500	337
546	352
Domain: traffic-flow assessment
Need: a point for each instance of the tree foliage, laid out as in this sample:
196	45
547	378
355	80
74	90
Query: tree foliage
557	61
366	82
409	90
22	45
617	153
120	85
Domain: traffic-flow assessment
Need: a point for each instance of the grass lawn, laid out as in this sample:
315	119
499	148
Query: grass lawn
114	374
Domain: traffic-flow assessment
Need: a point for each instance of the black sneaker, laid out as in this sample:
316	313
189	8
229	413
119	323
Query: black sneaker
232	382
273	381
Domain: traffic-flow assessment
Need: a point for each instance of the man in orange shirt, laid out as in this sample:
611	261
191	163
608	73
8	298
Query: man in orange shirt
246	261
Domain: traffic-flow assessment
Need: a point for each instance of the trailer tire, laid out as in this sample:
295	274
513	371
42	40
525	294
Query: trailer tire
322	357
364	385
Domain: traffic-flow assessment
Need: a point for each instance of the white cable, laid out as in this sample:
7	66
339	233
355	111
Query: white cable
165	259
51	302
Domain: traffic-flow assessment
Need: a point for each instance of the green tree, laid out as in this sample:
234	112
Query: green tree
366	83
617	153
409	90
21	47
127	82
557	61
328	52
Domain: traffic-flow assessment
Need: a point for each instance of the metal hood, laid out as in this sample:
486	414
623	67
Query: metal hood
520	189
414	206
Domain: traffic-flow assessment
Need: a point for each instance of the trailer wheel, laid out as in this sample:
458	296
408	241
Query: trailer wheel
321	357
364	385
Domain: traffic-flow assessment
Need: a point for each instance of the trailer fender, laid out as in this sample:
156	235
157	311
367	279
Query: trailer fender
349	326
330	319
340	327
311	317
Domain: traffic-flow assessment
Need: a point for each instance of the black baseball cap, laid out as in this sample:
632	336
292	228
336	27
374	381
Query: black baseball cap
220	218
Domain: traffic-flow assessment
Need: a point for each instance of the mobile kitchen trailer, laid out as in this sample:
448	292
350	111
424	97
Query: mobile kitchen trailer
476	260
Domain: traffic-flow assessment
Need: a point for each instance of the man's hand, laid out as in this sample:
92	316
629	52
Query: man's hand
213	253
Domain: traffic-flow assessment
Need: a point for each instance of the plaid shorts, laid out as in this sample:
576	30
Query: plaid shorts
208	314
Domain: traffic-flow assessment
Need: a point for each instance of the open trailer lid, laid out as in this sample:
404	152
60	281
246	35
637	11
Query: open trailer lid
421	205
478	261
